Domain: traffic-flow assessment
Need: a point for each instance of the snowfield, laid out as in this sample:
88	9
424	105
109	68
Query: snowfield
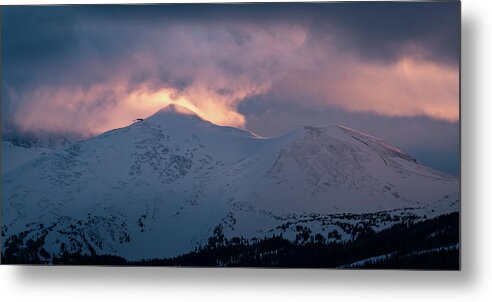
14	156
158	188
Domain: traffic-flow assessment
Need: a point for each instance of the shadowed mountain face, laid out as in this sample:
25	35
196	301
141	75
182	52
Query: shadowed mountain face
160	187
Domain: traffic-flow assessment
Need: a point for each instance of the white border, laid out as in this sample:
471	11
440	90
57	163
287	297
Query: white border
473	283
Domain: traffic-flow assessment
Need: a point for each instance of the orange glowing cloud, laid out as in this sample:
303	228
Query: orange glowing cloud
75	109
211	107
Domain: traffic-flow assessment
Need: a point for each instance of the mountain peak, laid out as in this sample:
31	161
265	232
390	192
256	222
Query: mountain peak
178	109
175	112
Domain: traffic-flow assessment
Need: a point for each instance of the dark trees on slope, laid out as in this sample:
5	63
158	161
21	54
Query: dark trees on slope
410	245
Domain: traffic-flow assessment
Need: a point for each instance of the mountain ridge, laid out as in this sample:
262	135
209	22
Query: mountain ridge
159	187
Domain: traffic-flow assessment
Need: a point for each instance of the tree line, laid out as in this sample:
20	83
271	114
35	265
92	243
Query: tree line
402	240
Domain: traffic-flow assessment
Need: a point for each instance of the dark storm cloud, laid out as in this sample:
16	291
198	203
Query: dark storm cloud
376	30
381	31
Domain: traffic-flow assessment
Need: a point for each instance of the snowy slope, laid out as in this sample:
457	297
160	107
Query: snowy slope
335	169
14	156
158	188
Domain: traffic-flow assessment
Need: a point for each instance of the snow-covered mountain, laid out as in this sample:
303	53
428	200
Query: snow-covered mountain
158	188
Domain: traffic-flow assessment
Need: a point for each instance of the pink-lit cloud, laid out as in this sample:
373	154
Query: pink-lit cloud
408	87
211	68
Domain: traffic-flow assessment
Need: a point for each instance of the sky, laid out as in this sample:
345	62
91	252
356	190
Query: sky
389	69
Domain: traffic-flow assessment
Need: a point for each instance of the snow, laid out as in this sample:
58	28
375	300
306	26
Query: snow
159	187
361	263
14	156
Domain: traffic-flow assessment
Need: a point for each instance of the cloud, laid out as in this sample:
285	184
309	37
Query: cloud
407	87
90	69
385	31
183	63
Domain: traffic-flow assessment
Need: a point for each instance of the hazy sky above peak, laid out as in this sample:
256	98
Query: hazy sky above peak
389	69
